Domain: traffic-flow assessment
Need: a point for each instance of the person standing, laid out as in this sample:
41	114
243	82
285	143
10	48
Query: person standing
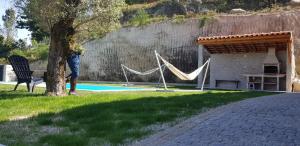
74	65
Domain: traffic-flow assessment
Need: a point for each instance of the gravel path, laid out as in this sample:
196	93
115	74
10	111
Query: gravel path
270	120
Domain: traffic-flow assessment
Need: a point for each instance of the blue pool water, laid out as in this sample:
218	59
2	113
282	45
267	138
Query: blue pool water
89	87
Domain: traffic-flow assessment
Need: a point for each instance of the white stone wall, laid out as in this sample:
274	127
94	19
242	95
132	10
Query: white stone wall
232	66
8	74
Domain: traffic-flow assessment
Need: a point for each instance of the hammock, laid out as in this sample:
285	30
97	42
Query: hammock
181	75
140	73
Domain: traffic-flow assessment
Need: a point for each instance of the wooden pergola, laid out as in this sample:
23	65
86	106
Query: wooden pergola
246	43
253	43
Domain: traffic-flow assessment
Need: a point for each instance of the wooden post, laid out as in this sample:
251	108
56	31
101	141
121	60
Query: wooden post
200	63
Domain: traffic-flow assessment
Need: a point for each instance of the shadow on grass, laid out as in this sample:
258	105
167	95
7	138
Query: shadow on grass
119	122
10	94
7	92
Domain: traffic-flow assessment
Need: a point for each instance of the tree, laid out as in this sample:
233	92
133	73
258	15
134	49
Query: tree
1	45
5	47
21	44
9	20
25	22
1	40
70	22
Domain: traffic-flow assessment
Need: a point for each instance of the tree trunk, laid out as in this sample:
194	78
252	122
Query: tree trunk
60	42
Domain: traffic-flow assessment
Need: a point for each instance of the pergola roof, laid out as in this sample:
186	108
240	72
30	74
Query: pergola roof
256	42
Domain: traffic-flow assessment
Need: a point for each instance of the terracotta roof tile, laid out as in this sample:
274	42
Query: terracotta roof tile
244	35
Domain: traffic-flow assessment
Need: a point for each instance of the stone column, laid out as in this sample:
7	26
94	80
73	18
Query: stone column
290	67
200	63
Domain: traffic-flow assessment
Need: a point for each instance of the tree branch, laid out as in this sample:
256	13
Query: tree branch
88	20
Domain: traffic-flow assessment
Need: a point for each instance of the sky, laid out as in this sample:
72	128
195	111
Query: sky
21	33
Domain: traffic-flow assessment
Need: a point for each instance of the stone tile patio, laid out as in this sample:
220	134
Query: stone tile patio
270	120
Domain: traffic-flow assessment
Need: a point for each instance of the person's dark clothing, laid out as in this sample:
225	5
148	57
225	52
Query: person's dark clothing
74	64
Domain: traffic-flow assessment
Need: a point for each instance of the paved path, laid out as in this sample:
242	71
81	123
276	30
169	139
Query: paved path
270	120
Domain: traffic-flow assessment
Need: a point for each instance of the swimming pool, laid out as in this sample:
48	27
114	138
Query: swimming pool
89	87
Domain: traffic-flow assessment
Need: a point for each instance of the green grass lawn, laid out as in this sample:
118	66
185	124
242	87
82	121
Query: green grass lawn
98	118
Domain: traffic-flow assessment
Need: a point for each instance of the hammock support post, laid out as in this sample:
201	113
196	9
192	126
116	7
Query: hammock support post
158	83
125	74
161	72
204	78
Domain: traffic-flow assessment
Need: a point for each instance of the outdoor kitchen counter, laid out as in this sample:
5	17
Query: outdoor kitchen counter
263	81
264	75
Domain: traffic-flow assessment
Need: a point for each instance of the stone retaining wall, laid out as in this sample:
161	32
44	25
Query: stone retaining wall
134	47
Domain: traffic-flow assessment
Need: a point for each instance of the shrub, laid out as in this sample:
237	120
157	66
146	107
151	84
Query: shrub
141	18
130	2
178	18
168	8
3	61
206	18
38	52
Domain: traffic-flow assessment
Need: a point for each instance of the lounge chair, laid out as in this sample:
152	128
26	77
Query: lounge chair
24	74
